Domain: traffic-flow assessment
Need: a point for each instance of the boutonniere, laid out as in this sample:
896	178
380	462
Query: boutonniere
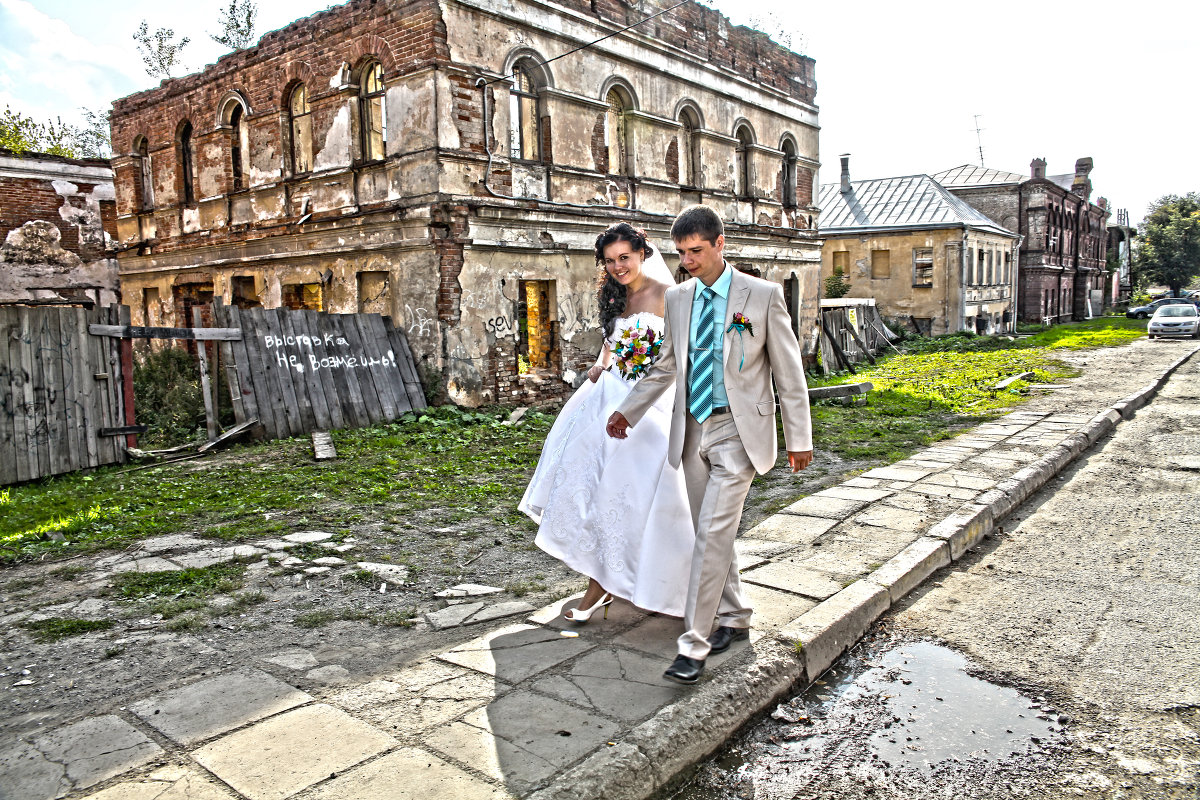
741	323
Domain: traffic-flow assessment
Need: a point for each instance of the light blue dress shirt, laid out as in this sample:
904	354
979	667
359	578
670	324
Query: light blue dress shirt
720	302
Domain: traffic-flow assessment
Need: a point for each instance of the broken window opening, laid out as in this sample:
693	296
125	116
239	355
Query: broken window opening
841	261
614	133
239	146
742	173
185	164
789	174
374	293
302	296
524	138
374	113
535	344
243	292
301	126
145	175
922	267
688	149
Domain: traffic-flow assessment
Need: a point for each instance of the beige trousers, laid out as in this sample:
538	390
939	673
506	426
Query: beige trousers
718	474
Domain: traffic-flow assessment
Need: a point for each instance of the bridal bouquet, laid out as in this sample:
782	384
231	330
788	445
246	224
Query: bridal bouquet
635	350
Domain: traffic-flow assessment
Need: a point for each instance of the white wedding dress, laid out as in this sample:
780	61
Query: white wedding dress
614	509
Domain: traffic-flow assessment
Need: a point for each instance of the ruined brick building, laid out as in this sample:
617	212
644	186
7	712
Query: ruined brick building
1063	272
57	230
436	161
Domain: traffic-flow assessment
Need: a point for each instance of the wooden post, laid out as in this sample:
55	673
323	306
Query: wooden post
837	348
866	352
210	414
131	439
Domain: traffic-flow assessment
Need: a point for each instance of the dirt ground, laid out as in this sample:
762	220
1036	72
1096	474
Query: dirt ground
354	630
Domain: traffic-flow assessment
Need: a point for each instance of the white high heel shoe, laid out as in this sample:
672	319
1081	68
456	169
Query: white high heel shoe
583	615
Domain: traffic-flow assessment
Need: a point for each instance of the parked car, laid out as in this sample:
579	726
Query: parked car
1142	312
1176	319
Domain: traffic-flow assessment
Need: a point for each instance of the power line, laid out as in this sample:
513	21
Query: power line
481	82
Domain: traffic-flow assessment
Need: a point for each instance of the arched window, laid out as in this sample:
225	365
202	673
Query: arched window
301	126
145	175
524	135
742	170
689	146
239	147
614	133
788	176
374	113
185	164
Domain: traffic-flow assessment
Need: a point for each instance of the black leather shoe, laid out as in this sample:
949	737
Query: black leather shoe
685	670
724	636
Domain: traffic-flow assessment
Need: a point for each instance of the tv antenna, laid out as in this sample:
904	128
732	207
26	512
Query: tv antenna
979	139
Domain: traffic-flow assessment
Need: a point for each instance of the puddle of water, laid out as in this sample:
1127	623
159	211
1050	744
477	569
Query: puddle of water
939	712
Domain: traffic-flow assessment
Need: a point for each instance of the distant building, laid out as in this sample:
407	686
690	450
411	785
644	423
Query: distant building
1120	256
1062	274
57	230
449	164
932	262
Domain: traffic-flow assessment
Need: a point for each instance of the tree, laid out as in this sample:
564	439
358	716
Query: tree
237	25
159	51
836	285
1169	239
21	134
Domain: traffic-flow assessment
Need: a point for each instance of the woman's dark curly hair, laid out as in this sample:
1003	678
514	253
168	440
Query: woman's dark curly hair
609	293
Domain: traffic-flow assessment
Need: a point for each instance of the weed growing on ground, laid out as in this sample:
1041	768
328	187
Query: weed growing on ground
55	628
195	582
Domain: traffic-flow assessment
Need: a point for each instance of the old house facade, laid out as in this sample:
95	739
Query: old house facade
450	163
1063	272
932	263
57	230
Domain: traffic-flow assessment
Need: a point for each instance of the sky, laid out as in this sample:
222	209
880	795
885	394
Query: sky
902	87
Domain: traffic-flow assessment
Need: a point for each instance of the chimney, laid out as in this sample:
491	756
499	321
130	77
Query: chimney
1082	185
1037	168
845	173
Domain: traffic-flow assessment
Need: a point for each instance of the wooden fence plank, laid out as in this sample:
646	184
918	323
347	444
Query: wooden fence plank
10	375
40	440
354	409
307	379
210	412
232	379
262	362
411	376
86	400
384	373
57	386
373	411
124	331
256	402
299	419
326	391
108	364
123	391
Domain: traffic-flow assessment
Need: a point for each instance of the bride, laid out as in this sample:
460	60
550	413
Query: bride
615	510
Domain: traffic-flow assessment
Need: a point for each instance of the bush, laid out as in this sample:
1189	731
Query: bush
167	397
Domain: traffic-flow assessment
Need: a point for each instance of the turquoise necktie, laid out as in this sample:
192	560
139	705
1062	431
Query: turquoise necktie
700	381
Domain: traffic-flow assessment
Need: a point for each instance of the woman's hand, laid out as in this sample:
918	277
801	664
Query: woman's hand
594	373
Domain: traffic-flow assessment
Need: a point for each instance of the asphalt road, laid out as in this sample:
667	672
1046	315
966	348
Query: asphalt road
1061	659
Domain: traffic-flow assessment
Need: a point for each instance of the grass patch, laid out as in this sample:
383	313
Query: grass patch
55	628
1099	332
196	582
446	465
401	618
522	588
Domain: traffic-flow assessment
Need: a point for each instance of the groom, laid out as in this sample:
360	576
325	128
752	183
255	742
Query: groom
727	336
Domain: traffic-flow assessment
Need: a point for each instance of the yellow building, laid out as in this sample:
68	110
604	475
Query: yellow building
932	263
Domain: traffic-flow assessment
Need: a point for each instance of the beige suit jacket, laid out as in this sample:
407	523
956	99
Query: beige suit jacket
750	363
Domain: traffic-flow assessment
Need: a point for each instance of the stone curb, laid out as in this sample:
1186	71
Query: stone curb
662	749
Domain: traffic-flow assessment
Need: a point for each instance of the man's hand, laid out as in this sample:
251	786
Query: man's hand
594	373
798	459
617	425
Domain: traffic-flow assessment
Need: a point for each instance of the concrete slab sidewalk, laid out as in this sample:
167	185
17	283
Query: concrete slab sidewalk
538	708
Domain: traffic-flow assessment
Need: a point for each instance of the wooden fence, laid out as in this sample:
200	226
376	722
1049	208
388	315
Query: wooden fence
60	391
301	371
850	334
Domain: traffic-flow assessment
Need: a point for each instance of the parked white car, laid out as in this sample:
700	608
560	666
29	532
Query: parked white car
1175	320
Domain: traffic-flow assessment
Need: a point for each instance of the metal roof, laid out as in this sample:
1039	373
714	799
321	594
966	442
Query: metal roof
1066	181
971	175
912	201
